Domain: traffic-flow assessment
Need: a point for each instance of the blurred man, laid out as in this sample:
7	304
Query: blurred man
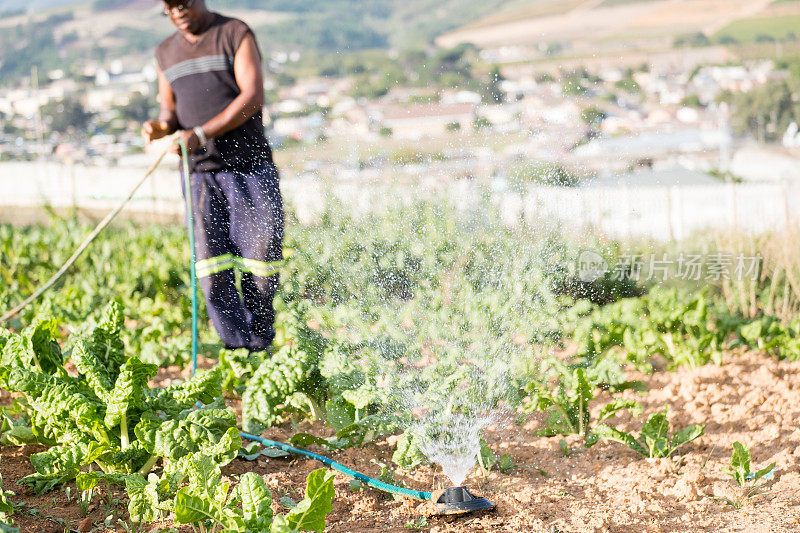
211	91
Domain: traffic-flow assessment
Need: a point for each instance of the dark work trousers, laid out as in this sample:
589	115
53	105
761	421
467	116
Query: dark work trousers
238	224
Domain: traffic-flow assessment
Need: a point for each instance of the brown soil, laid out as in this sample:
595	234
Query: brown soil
751	398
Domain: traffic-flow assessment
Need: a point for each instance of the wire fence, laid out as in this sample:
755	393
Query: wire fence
664	213
656	212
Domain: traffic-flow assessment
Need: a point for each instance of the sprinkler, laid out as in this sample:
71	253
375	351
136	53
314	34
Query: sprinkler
459	500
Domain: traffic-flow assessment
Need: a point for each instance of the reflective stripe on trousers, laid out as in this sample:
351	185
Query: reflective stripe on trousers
213	265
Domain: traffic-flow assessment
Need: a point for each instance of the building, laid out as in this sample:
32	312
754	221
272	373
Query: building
424	120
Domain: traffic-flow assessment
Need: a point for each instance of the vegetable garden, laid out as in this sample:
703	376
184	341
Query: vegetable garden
612	404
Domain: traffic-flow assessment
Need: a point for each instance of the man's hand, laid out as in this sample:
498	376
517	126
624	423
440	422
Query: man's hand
191	140
154	129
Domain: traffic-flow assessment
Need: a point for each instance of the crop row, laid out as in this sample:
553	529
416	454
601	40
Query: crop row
379	319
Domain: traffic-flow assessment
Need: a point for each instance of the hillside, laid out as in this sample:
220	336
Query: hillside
603	21
63	34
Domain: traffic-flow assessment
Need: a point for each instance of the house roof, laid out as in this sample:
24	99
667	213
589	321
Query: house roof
396	112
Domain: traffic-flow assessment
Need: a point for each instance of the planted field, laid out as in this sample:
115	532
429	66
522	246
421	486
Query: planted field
758	28
423	348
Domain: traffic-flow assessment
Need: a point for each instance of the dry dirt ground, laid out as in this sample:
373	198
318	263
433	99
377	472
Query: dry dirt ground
751	398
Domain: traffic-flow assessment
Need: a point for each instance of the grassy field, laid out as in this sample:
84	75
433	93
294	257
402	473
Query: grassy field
515	12
776	27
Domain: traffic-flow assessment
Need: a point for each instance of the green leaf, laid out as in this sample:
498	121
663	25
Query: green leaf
60	464
362	396
655	434
740	463
612	408
687	434
609	433
204	473
35	348
486	457
89	480
104	341
281	525
93	369
341	413
306	439
210	430
128	390
763	472
191	508
364	430
42	335
290	503
310	513
254	450
256	501
203	387
144	501
408	454
16	432
506	463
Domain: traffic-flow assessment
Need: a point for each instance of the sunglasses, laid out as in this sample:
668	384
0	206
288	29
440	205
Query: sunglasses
179	9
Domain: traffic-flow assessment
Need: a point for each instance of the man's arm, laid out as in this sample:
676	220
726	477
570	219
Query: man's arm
167	122
247	71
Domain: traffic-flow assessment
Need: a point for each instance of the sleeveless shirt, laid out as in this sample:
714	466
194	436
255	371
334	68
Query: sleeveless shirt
202	80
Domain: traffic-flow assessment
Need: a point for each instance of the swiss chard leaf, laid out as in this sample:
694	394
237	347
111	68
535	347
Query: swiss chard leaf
740	463
256	502
209	430
654	439
310	513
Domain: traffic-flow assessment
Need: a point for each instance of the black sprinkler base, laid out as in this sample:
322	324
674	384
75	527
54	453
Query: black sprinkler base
458	500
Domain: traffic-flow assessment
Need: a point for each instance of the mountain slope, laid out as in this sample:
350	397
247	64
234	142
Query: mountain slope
600	21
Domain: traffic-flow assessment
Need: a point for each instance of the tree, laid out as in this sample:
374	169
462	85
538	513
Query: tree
66	115
139	108
491	91
766	112
593	116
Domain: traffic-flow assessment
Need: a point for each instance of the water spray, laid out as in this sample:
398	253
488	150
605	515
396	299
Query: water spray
450	501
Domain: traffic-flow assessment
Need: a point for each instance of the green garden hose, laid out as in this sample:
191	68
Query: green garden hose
366	480
193	268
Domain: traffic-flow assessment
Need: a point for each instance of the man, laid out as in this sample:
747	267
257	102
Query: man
211	91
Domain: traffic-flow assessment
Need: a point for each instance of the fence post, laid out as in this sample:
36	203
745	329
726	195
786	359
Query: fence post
732	206
670	229
787	221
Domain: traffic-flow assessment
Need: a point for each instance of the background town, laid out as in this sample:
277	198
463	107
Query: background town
507	93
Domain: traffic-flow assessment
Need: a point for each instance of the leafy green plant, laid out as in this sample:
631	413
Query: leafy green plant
747	481
6	509
291	375
417	524
676	325
654	440
488	460
565	450
567	407
407	453
214	506
108	415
